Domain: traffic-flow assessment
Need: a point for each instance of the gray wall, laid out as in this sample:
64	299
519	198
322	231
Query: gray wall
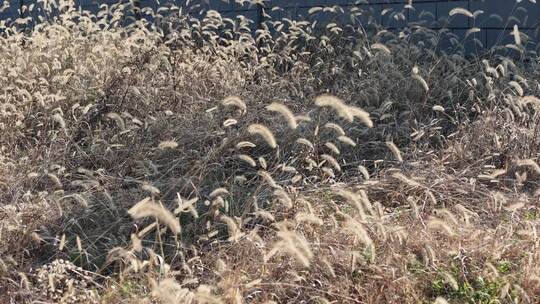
495	30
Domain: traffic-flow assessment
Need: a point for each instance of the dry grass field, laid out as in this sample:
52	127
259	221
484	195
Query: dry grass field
204	161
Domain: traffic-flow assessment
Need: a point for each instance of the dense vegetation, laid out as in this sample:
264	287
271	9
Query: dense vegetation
190	160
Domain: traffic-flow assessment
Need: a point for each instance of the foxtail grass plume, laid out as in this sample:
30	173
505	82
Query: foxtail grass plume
265	215
450	280
332	126
405	179
309	218
117	119
150	189
245	144
421	81
262	162
358	229
328	171
147	208
516	34
264	132
285	112
395	151
355	200
440	300
362	115
167	144
230	122
303	118
219	192
517	87
268	179
56	181
461	11
531	100
332	148
471	31
381	47
186	205
235	101
442	226
248	159
62	242
529	163
59	120
305	142
344	111
293	244
332	161
364	171
335	103
347	140
234	230
438	108
283	198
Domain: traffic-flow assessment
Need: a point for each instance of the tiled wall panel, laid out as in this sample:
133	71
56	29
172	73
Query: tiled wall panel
495	17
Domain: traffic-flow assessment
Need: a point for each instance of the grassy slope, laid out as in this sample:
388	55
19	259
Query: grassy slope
94	121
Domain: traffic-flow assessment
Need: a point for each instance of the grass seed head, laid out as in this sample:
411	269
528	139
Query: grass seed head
264	132
147	208
285	112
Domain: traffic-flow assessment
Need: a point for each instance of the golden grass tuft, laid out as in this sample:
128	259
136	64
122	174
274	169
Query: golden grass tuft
395	151
235	101
234	230
461	11
332	161
381	47
332	147
344	111
337	128
293	244
529	163
245	144
347	140
421	81
265	133
148	208
248	159
268	179
168	144
440	225
285	112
